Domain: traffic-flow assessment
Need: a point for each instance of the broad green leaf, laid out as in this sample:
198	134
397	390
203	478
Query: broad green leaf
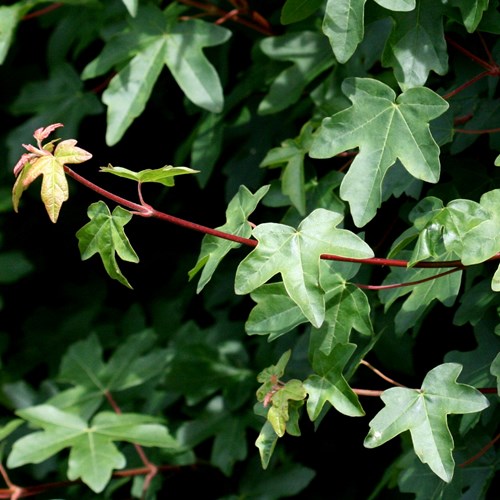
422	295
291	153
10	427
295	254
296	10
104	234
9	19
275	313
344	23
131	6
329	385
472	12
310	54
444	228
424	413
55	189
133	363
230	445
164	175
347	308
385	128
483	241
156	39
478	362
266	442
93	456
214	249
420	33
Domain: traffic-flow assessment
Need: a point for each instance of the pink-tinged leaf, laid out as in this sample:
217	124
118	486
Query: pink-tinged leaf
25	158
67	152
43	132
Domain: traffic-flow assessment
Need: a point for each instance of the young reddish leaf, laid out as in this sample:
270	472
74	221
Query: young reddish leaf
41	161
43	132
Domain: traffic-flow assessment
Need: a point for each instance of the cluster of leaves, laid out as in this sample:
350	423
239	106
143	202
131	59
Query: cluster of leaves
362	134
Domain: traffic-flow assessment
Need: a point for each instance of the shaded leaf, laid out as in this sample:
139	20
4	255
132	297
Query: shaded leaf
296	10
310	54
419	32
329	385
214	249
93	455
133	363
104	234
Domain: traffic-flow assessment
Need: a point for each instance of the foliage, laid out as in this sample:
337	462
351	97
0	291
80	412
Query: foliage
352	145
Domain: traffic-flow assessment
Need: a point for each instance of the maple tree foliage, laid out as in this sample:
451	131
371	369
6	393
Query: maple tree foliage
345	314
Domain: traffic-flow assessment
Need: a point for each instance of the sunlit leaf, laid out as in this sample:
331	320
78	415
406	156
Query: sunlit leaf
424	413
295	254
385	128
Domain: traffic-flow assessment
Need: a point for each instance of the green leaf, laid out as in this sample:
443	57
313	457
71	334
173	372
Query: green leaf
385	128
417	32
156	39
472	12
297	10
329	385
9	19
133	363
295	254
292	153
421	295
347	308
104	234
310	54
275	313
424	413
214	249
266	442
483	240
164	175
131	6
495	370
14	266
93	455
344	23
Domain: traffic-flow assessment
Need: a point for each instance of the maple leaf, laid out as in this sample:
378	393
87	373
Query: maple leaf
139	54
295	254
214	249
386	129
424	413
329	384
104	234
47	161
93	456
164	175
344	23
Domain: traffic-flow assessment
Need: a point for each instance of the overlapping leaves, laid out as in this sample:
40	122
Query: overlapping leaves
295	254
